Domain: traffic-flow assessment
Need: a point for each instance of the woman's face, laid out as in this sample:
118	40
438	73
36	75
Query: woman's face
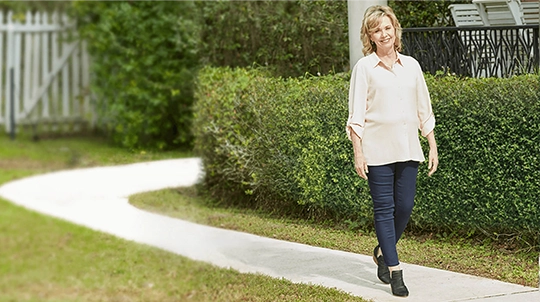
384	36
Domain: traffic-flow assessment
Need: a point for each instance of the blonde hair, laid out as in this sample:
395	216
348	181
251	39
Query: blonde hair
372	20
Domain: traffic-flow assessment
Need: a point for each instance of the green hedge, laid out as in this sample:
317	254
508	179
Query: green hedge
280	142
275	139
488	135
144	56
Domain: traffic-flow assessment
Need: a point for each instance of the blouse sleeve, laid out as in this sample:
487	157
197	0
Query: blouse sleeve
425	112
357	102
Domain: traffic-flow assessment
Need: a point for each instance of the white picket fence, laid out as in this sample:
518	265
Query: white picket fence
44	73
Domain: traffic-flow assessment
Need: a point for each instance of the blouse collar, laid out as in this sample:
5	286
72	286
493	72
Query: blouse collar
376	60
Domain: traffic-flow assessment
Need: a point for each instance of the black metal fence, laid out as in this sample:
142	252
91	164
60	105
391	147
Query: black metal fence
488	51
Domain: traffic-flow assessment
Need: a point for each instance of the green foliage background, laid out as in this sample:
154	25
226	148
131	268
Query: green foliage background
145	53
278	143
22	6
289	37
293	38
414	13
144	60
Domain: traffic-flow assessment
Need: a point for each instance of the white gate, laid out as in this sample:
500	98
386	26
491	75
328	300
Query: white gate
44	75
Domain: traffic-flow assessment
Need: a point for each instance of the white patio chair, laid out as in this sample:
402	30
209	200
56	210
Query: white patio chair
466	15
508	12
530	12
500	12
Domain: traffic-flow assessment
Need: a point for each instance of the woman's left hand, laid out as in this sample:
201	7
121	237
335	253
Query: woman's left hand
433	161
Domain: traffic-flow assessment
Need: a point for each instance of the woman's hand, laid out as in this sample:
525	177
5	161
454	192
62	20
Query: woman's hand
433	161
360	165
433	157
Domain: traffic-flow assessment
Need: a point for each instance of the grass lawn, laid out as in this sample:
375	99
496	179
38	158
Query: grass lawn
47	259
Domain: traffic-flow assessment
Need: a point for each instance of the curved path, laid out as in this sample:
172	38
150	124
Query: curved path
98	198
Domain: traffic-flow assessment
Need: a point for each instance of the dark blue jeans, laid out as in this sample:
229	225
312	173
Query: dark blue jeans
392	188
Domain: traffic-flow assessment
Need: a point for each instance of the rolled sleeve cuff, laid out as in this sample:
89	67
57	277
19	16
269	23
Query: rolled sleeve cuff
359	130
428	125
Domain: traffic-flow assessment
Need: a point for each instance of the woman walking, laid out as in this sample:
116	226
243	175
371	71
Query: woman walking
388	104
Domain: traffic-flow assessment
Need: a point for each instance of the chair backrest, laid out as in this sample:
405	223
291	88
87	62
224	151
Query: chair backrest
531	11
500	12
466	15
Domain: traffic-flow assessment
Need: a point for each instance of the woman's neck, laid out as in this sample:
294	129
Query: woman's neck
387	53
388	57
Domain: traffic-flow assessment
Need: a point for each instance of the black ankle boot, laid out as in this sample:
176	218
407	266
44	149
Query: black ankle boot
382	270
396	282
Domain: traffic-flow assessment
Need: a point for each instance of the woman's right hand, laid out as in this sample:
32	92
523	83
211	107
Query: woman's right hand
360	165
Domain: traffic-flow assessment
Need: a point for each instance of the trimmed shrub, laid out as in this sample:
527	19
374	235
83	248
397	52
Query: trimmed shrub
144	56
275	141
280	142
488	136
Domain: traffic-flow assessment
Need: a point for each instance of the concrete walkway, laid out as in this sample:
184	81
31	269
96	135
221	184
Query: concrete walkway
98	198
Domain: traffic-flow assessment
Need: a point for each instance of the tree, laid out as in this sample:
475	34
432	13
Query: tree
424	13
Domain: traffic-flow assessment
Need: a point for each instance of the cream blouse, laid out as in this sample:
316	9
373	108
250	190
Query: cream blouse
387	107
